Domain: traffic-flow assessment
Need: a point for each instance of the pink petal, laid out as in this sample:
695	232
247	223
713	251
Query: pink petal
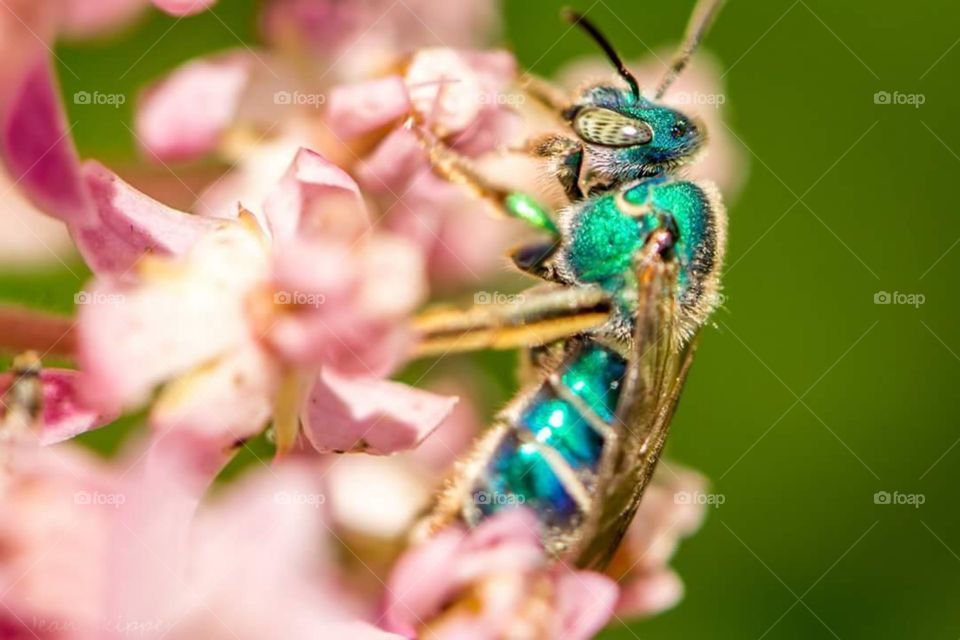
37	148
184	7
356	109
179	315
585	603
220	405
649	594
65	415
186	114
418	585
376	416
85	19
445	90
428	575
316	198
392	166
130	224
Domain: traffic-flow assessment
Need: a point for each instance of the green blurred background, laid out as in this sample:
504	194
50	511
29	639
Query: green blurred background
807	398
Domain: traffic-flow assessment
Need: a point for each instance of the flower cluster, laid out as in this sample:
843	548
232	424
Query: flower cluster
276	306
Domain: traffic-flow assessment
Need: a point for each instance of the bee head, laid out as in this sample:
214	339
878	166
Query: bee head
626	134
630	135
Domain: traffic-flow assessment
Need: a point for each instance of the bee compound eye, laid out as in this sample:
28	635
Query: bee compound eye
611	129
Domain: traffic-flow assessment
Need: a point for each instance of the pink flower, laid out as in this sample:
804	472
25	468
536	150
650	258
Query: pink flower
457	94
257	105
296	312
494	581
363	37
256	562
184	7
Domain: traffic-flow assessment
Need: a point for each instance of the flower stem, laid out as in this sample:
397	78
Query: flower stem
47	334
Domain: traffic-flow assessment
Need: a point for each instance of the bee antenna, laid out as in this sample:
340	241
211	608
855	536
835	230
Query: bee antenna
578	19
700	20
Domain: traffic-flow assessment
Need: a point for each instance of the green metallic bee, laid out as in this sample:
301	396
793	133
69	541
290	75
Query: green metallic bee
629	274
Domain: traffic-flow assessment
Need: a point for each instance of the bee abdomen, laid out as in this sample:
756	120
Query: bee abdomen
548	460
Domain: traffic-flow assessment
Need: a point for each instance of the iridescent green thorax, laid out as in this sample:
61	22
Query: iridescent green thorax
603	241
607	230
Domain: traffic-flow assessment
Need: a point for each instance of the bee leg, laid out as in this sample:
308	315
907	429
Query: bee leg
566	157
535	259
536	317
454	168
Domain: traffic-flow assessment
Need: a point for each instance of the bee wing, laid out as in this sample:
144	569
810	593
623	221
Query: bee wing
657	368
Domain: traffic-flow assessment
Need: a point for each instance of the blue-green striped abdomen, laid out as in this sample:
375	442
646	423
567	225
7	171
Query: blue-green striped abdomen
554	432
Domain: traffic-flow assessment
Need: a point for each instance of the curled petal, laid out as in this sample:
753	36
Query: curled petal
356	109
318	198
131	224
187	113
37	149
184	7
372	415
